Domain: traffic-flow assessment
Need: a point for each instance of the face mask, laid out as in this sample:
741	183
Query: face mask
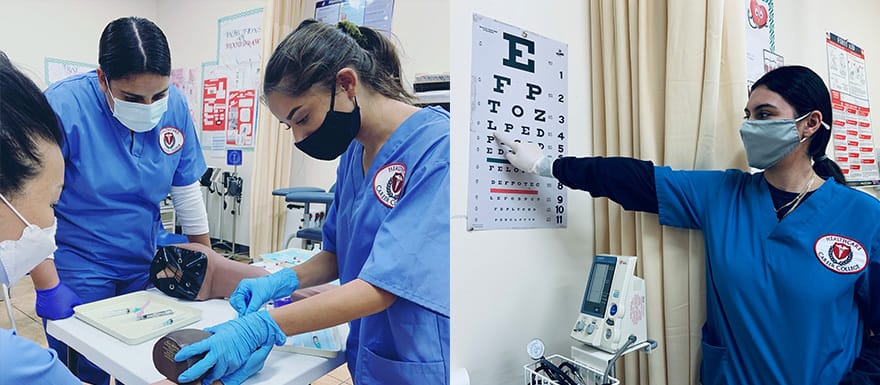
334	135
18	257
136	116
769	141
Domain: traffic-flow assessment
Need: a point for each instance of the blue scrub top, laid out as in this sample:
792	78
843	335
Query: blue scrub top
390	227
787	302
115	178
24	362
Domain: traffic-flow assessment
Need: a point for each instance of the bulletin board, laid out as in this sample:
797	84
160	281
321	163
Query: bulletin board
58	69
851	134
520	87
375	14
230	85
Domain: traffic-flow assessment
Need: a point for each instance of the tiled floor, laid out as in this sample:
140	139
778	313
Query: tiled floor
29	326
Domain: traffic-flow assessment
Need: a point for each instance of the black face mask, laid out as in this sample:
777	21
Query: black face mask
186	269
334	135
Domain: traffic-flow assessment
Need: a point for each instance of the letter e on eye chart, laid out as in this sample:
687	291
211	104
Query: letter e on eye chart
519	86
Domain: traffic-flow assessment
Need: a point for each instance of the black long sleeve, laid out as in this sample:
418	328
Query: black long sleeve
627	181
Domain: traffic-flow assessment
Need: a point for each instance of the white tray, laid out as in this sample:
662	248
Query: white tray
116	316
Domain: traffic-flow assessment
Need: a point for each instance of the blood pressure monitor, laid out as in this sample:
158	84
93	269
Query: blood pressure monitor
613	307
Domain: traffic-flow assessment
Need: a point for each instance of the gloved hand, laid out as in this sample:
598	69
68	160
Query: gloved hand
252	293
251	367
234	349
57	302
526	156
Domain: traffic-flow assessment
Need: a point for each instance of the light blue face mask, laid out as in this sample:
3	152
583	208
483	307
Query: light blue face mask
769	141
136	116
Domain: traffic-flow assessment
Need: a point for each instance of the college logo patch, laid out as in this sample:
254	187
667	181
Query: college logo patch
170	140
841	254
388	183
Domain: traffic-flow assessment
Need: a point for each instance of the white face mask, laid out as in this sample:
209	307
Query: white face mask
18	257
136	116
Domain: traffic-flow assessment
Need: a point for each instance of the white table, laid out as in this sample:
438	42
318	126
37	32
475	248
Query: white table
133	364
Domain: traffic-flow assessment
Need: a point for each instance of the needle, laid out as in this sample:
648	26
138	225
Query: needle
155	314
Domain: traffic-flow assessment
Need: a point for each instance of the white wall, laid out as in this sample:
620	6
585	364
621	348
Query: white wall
70	30
514	285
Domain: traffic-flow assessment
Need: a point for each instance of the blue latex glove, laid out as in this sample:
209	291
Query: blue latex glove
251	367
57	302
252	293
233	350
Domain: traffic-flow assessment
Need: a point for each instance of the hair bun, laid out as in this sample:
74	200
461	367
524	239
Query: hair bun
352	29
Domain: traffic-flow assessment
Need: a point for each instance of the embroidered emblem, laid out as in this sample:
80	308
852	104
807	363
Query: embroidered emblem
388	183
170	140
841	254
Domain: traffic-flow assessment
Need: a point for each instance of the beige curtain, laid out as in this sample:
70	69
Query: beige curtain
272	151
668	86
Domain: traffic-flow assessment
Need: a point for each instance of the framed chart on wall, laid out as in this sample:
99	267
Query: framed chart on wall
519	86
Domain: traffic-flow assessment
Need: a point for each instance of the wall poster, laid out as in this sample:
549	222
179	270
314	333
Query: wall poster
851	135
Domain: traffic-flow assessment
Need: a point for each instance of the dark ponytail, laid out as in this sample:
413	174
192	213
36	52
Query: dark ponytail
133	46
316	51
804	90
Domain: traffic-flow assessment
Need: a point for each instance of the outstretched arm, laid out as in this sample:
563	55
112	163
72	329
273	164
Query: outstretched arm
627	181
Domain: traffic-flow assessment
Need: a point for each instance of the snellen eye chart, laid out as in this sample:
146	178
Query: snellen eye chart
519	87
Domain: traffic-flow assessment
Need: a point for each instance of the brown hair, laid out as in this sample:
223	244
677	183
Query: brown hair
316	51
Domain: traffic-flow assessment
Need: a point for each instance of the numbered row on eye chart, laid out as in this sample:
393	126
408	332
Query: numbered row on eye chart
492	157
521	200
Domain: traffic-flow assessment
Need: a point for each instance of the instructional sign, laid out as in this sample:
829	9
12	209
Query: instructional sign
851	132
58	69
520	87
214	104
240	130
231	85
233	157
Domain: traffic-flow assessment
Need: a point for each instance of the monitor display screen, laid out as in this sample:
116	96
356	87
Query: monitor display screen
599	286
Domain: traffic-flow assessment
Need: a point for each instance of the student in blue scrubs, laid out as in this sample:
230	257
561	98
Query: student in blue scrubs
792	287
129	140
386	237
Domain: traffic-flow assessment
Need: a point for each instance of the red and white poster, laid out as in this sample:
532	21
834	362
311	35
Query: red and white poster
214	105
851	133
240	129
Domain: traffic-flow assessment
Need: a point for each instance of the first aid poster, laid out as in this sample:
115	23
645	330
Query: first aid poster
519	86
851	133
